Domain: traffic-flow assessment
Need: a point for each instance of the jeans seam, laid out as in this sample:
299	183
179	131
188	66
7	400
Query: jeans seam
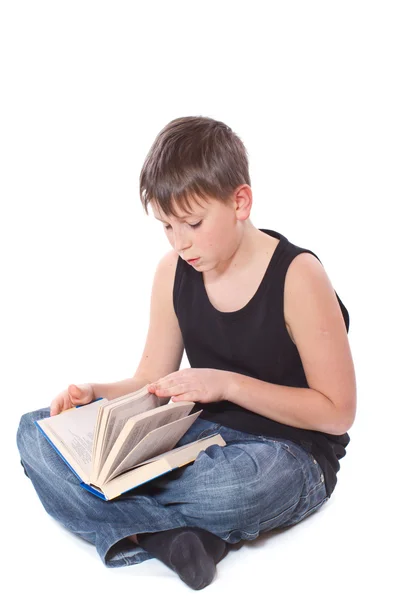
314	508
291	507
313	490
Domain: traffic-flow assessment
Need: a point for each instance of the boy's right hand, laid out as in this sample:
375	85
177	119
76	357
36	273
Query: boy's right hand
72	396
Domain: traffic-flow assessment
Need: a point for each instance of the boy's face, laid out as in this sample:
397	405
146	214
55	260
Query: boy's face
208	232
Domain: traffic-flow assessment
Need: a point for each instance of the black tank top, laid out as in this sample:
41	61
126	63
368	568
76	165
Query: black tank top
252	341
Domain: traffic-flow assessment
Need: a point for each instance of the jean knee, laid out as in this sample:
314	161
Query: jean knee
24	431
260	484
228	487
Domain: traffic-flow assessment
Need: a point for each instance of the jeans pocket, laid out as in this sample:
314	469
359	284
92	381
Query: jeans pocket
318	474
311	467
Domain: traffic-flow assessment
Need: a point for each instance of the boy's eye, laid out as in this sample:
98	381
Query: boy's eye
193	226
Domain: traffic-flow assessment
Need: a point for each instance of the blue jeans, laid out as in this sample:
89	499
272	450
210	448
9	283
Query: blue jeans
253	484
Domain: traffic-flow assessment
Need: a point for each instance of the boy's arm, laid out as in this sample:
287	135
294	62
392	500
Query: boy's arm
318	328
164	347
118	388
299	407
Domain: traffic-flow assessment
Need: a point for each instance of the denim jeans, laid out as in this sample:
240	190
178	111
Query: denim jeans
252	485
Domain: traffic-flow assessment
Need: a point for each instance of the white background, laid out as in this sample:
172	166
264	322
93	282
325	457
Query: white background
312	89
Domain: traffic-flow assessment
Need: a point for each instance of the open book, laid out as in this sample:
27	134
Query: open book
113	446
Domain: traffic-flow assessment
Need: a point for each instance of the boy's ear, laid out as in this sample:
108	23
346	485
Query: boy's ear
243	201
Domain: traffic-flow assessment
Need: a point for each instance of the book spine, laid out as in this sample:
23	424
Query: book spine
93	491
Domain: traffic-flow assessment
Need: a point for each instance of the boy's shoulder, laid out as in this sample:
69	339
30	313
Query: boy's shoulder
166	267
168	261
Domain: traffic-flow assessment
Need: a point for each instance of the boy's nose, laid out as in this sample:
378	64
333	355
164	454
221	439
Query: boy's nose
181	243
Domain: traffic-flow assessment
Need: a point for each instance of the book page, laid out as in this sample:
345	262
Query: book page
73	429
169	454
155	442
101	424
116	416
137	428
136	394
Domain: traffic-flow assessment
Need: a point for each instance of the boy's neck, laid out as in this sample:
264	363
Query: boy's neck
252	247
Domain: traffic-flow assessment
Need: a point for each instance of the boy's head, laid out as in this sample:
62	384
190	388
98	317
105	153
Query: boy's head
193	157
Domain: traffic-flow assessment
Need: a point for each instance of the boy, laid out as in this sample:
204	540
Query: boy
271	368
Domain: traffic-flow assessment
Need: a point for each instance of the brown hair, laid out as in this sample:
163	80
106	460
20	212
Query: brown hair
193	157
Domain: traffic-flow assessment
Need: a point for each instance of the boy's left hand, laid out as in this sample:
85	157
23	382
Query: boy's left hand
192	385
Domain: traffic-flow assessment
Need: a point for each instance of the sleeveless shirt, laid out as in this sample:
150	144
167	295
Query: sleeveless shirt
253	341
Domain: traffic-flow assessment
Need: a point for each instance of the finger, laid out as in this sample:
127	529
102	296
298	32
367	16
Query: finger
170	390
189	397
56	407
74	390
